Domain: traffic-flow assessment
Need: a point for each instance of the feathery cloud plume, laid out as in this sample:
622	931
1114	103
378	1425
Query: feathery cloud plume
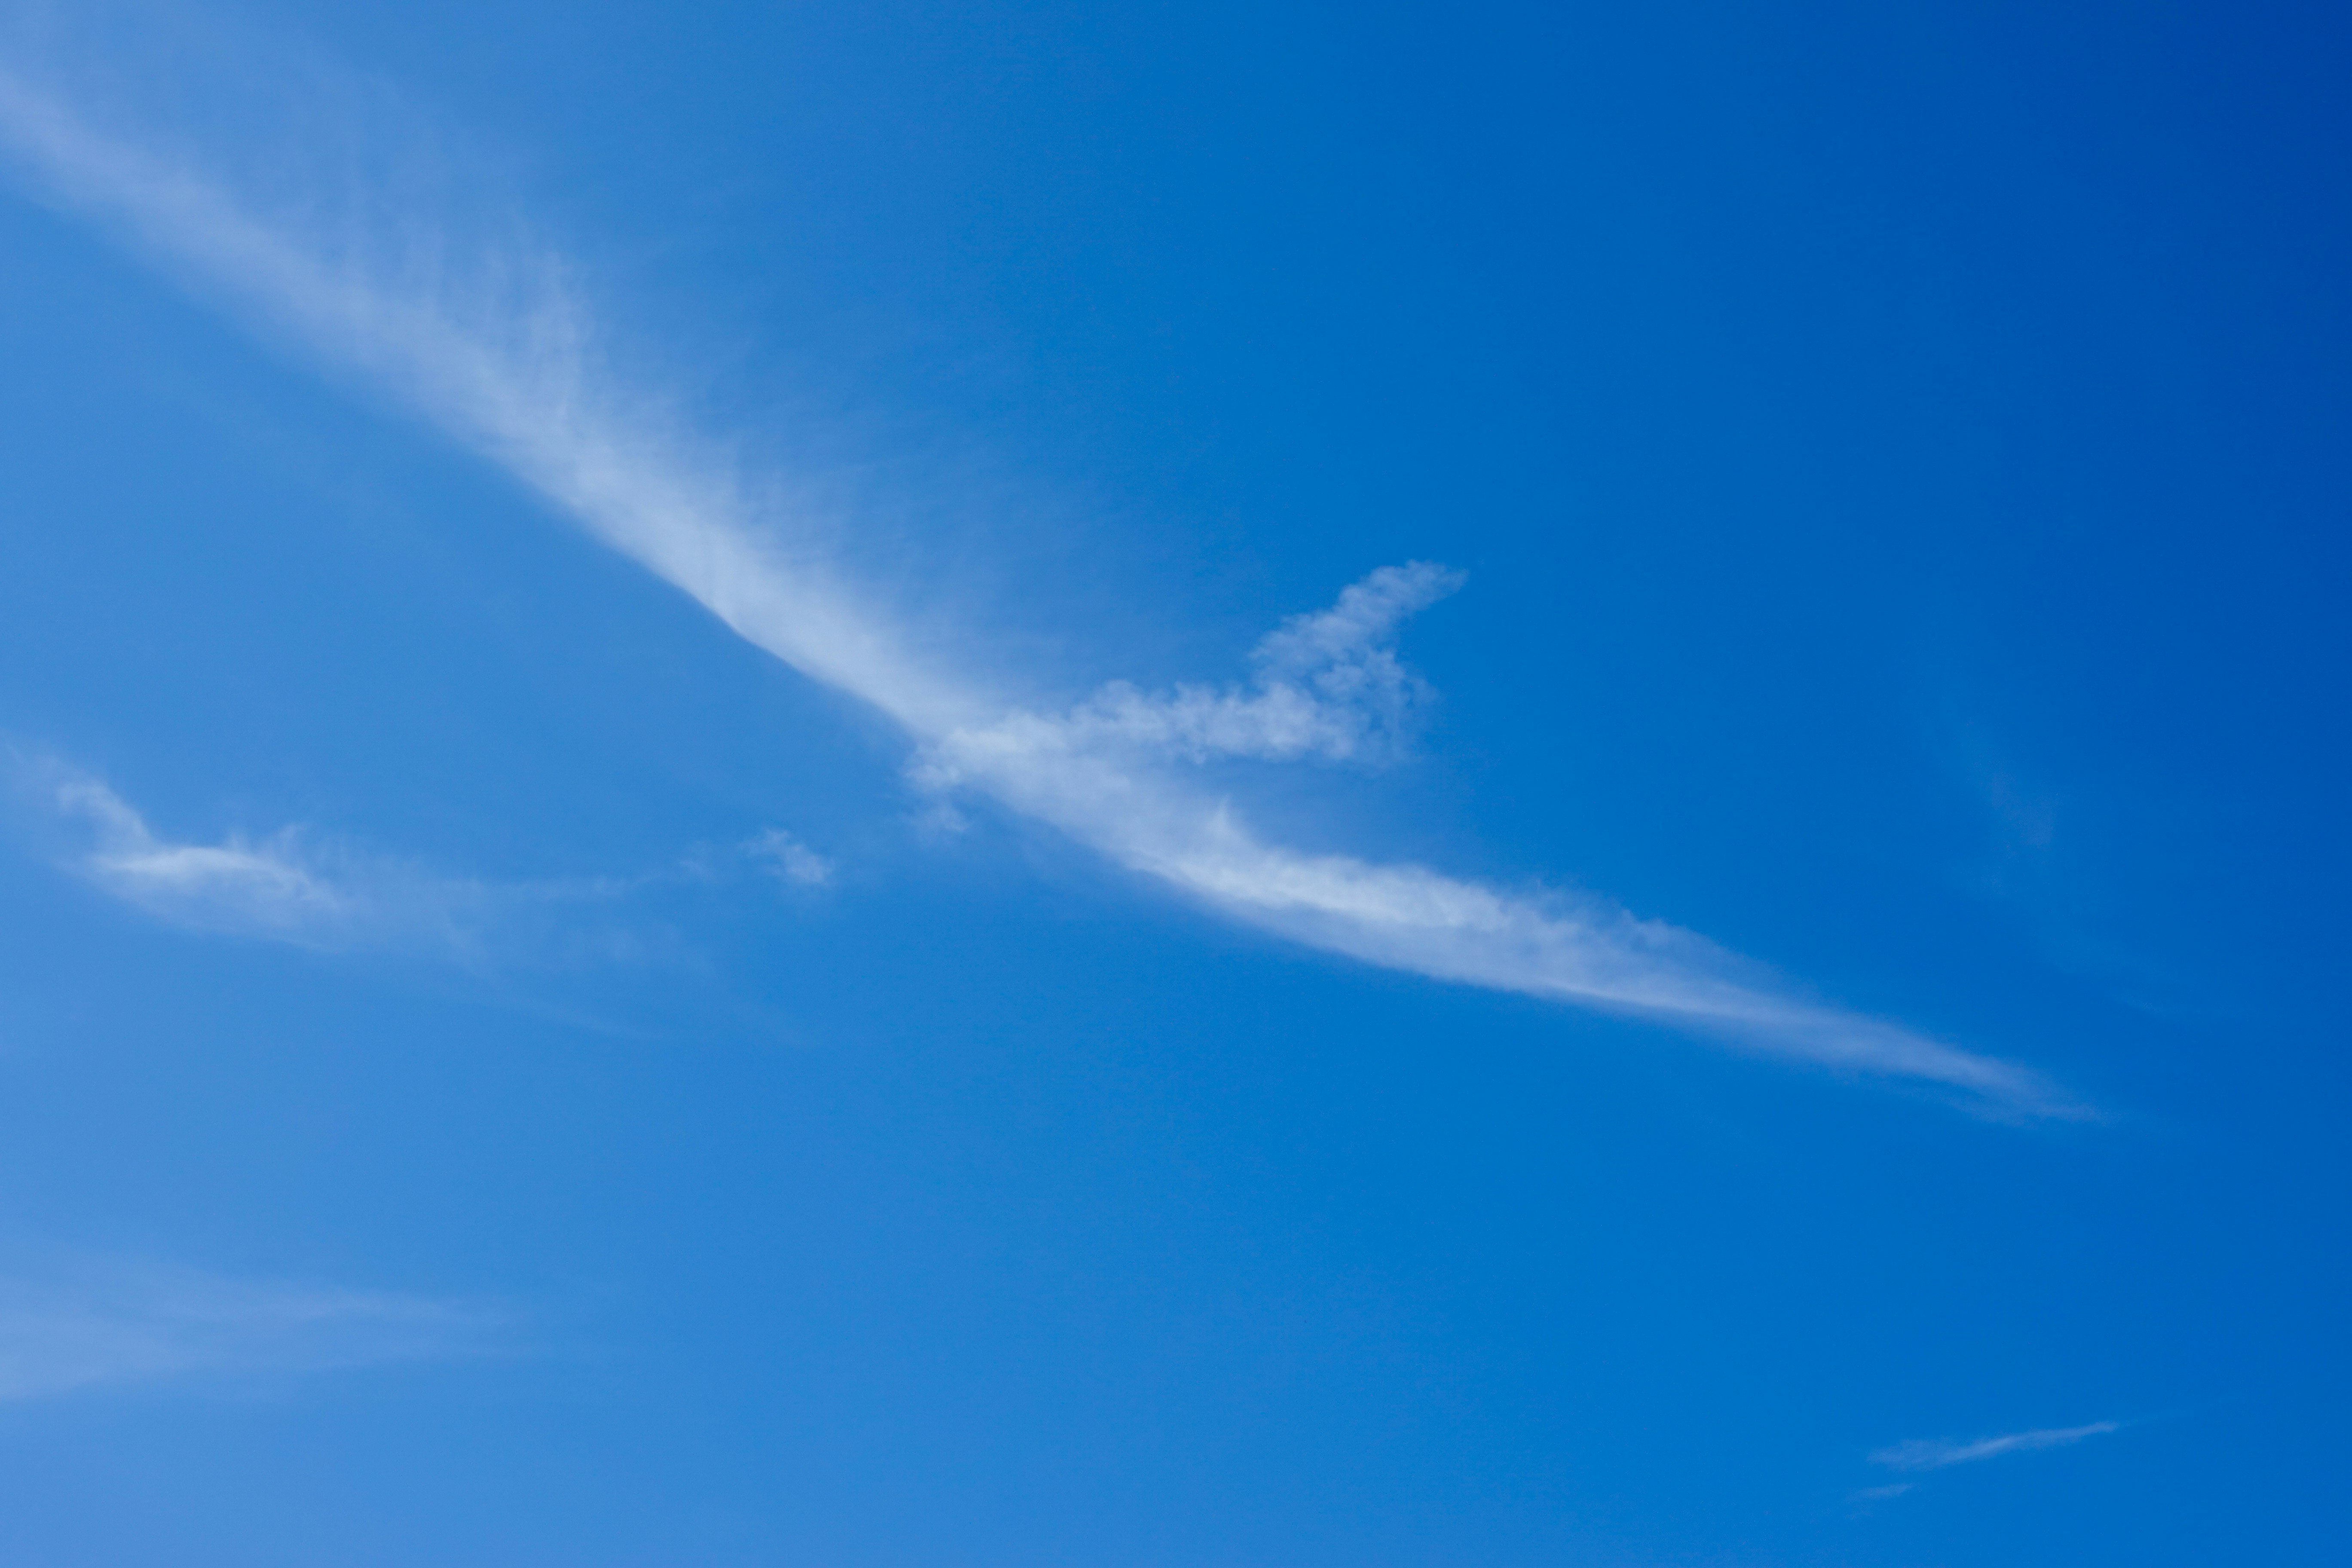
497	352
1326	685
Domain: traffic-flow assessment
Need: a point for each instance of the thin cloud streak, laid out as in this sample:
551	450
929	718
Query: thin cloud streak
1942	1453
300	888
280	887
509	371
121	1326
264	886
306	889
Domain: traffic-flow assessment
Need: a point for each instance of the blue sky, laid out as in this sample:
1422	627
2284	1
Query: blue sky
1172	785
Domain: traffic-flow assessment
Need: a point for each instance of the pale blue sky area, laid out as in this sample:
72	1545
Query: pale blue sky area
1177	785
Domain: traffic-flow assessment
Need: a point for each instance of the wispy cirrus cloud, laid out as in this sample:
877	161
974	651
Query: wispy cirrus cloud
121	1325
491	344
1942	1453
290	885
1919	1456
282	886
297	886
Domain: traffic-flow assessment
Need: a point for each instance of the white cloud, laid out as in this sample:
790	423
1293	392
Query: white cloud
1326	685
273	887
495	350
298	887
295	886
788	859
1942	1453
128	1325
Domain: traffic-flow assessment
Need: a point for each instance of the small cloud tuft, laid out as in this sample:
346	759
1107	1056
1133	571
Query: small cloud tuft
1326	686
787	859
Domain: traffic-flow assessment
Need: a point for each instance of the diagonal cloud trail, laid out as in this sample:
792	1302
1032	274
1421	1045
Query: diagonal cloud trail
509	370
1942	1453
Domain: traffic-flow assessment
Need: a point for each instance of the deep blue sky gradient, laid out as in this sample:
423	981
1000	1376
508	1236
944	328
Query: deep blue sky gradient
1899	460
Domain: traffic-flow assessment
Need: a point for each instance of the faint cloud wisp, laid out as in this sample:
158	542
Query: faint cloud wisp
1942	1453
780	854
275	887
302	888
121	1326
